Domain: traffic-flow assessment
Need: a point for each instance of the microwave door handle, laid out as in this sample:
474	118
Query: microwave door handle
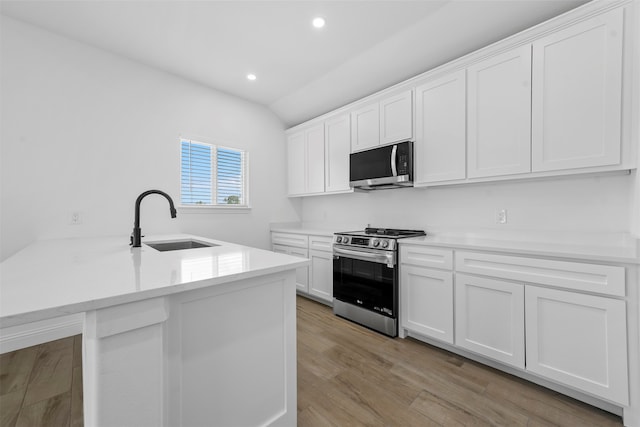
394	160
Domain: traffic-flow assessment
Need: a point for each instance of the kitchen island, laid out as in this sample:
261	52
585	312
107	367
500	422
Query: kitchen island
202	336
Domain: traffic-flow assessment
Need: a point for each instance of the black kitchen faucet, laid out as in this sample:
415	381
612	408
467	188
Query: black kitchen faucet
136	236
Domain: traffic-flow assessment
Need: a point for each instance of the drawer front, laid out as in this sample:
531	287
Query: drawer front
286	239
321	243
604	279
423	256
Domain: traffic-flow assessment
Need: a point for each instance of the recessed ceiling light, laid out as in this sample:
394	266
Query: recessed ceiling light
318	22
251	77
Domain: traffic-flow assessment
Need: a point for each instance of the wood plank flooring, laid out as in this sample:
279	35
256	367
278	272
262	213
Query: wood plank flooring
351	376
42	385
347	376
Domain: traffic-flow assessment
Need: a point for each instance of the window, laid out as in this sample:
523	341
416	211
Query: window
211	175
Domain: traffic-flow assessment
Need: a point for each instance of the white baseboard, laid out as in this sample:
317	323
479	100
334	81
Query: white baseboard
30	334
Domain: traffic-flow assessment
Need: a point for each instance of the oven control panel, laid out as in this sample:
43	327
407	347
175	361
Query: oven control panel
365	242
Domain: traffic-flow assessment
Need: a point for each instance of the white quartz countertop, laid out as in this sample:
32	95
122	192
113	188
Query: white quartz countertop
52	278
617	248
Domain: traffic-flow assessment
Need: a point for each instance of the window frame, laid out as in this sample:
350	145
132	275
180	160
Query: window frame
206	208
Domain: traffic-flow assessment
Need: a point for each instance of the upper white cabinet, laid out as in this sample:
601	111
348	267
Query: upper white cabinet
337	131
315	159
382	122
296	163
318	157
499	114
553	100
365	127
440	146
305	161
577	95
396	118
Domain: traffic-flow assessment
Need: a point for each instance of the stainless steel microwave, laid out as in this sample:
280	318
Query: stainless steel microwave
390	166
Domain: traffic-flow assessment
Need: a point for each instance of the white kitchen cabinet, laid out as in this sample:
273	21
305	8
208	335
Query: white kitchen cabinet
440	146
365	127
577	95
296	161
396	118
305	161
489	318
579	340
499	114
382	122
315	159
426	299
337	131
302	273
321	275
316	280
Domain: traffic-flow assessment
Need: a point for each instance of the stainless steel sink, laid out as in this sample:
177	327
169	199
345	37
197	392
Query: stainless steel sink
179	245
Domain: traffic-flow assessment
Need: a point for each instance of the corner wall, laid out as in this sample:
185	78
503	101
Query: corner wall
87	131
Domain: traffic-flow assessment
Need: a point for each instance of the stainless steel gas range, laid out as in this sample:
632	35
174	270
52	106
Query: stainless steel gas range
365	277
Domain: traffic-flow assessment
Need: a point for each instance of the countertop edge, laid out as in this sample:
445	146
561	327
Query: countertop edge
519	251
84	306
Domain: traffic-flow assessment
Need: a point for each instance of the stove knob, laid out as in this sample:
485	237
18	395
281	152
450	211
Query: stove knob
345	240
338	239
376	243
385	244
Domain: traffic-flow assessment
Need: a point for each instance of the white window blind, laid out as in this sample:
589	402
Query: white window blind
212	175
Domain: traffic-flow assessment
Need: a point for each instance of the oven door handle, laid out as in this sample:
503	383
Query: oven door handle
380	258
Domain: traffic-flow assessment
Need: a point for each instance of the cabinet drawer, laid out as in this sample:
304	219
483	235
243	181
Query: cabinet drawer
604	279
423	256
286	239
321	243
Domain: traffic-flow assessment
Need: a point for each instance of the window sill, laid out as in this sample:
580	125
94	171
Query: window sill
213	209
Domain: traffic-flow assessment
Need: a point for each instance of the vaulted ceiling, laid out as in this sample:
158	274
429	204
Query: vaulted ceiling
302	71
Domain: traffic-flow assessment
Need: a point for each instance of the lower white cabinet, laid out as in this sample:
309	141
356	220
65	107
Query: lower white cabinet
316	280
426	298
579	340
302	275
321	275
490	318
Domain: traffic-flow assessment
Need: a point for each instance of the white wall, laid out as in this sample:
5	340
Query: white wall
590	204
87	131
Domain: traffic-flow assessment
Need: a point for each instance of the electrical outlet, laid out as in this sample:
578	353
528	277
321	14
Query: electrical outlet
75	219
501	216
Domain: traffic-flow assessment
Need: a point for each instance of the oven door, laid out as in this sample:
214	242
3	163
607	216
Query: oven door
366	279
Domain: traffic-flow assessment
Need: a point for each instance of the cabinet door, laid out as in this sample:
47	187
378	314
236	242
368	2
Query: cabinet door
315	159
396	118
499	113
577	95
321	275
365	127
490	318
426	298
296	158
440	149
337	148
578	340
302	273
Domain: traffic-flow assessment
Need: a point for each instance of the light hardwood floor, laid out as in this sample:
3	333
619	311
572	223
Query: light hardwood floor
351	376
42	385
347	376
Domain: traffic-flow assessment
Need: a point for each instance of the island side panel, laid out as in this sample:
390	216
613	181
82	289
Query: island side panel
124	361
232	354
